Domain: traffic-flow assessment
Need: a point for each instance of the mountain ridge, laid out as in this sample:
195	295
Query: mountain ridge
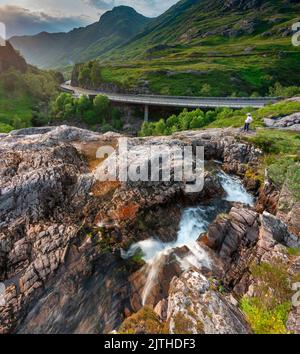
115	27
10	58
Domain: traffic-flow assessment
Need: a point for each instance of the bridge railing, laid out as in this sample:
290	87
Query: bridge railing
210	98
116	96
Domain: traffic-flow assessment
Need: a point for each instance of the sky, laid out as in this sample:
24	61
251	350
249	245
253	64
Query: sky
27	17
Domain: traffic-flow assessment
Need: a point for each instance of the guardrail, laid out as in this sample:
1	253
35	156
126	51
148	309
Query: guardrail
180	101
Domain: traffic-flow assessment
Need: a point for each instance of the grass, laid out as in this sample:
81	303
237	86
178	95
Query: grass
267	312
185	69
13	108
264	321
279	109
24	97
294	252
281	159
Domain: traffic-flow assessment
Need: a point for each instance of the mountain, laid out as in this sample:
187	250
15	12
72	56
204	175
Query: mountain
10	58
190	21
210	48
197	48
114	28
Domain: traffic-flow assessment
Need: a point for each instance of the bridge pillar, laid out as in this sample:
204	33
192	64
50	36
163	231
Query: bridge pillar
146	113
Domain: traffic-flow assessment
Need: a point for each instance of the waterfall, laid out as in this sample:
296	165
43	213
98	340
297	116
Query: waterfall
235	190
194	222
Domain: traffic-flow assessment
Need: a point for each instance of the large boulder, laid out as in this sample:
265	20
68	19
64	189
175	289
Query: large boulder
230	232
194	307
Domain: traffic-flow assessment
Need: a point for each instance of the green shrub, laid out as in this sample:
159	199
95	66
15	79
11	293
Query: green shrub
265	321
5	128
90	117
267	312
280	91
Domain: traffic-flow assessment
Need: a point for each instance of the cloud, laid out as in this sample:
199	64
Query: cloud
20	21
146	7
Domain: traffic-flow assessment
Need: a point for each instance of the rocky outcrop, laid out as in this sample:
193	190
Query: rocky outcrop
57	219
230	232
245	239
194	307
241	4
62	229
279	231
291	122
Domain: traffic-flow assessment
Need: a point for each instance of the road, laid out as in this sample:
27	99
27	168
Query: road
173	101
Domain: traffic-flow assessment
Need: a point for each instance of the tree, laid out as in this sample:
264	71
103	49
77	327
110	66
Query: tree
160	127
197	122
69	111
89	117
96	78
84	76
101	106
206	90
83	104
116	119
172	121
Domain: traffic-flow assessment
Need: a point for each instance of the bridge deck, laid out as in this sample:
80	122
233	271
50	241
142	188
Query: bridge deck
174	101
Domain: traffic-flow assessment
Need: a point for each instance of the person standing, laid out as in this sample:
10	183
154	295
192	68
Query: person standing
248	122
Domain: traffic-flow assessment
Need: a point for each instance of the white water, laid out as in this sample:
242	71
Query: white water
194	222
234	189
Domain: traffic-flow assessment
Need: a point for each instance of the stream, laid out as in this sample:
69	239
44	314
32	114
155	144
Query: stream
194	222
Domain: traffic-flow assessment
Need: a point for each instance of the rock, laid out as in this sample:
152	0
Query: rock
293	323
228	232
288	209
291	122
268	198
62	229
161	309
279	231
194	308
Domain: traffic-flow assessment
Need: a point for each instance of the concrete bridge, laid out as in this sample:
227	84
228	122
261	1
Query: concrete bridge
173	101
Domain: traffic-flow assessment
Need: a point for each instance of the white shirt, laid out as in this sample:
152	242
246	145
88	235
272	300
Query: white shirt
249	120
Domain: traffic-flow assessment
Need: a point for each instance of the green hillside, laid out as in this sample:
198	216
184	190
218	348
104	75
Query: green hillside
210	48
52	50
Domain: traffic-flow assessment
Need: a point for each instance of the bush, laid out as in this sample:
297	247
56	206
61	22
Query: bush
264	321
145	321
5	128
101	106
98	111
280	91
184	121
90	118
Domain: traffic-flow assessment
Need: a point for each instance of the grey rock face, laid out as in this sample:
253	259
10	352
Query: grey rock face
229	232
291	122
195	307
55	260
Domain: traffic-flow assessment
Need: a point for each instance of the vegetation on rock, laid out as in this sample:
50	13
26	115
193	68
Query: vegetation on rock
145	321
267	312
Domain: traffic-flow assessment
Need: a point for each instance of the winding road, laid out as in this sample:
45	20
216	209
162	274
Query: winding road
173	101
